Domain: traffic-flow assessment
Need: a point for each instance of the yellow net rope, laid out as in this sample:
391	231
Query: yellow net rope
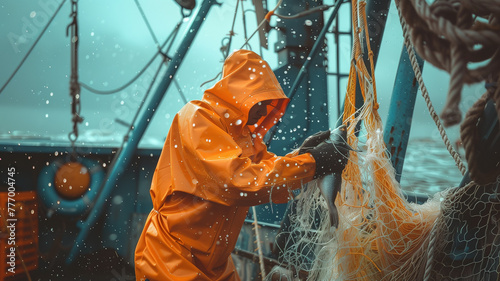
381	236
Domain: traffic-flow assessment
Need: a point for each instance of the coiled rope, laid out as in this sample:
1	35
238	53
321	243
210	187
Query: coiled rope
456	36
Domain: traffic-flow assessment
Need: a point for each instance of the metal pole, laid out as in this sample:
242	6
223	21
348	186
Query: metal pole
314	51
398	125
319	41
125	154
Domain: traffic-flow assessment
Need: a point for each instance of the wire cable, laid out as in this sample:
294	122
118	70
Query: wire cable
171	38
32	46
147	23
227	48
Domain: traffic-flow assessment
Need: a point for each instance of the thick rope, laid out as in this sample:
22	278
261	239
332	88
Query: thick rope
425	93
447	34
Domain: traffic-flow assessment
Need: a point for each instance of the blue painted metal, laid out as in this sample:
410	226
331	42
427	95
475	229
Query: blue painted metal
300	50
314	51
126	153
398	124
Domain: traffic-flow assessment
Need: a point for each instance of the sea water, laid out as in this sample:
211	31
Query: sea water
429	168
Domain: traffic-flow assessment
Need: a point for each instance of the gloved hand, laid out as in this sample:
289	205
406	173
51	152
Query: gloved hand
314	140
329	158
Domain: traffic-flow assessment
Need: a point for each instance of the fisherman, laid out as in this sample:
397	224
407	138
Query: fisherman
214	166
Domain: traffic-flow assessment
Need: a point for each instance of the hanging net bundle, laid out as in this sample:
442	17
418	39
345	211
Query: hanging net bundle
381	236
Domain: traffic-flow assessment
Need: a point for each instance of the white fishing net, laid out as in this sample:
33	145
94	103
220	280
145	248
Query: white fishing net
381	236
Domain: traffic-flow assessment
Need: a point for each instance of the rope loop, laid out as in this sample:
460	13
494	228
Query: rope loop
268	15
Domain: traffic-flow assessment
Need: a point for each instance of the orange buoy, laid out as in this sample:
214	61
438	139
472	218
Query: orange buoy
72	180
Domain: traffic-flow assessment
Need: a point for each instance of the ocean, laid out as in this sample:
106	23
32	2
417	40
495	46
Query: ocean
429	168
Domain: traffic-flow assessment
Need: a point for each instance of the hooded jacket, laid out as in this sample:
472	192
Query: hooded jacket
212	168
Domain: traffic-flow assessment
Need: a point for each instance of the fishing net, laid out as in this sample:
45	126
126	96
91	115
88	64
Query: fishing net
381	236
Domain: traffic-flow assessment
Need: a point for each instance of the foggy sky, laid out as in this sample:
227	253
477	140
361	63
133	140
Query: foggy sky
115	44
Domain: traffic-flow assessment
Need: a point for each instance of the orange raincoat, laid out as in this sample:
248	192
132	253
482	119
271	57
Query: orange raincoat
212	168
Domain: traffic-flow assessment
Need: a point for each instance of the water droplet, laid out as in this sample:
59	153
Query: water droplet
117	200
238	122
226	115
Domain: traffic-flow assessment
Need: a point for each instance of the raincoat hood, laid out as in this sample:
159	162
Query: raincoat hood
246	80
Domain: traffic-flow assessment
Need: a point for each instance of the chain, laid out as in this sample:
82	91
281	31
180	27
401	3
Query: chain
74	86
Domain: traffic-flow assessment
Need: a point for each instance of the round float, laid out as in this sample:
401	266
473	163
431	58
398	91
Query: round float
69	187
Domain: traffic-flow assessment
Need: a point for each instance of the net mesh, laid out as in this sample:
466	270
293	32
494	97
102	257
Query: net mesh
381	236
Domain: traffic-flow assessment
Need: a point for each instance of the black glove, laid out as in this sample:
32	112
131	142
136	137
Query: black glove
314	140
329	158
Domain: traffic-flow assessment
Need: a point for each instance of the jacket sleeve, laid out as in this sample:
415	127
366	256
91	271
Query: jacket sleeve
224	176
